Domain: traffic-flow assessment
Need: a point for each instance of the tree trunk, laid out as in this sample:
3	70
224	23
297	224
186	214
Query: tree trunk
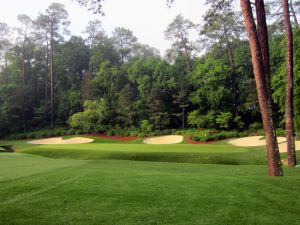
183	116
186	53
23	89
289	123
274	163
233	76
46	75
52	80
294	14
262	33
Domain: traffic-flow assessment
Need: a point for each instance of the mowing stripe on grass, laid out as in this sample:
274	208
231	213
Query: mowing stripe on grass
31	194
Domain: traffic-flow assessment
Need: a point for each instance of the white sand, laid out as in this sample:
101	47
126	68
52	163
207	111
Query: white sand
260	141
170	139
59	140
283	146
253	141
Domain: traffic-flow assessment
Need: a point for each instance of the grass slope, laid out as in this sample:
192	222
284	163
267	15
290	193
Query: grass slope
38	191
217	153
209	154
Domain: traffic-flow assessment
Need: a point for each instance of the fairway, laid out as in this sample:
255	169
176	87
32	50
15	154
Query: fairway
37	190
218	153
150	184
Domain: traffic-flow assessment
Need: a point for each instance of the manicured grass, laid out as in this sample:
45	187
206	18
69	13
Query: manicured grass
37	191
216	153
209	154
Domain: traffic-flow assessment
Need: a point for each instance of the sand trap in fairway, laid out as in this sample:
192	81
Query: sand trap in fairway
170	139
260	141
253	141
59	140
282	146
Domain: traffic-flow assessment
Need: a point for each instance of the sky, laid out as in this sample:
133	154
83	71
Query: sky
148	19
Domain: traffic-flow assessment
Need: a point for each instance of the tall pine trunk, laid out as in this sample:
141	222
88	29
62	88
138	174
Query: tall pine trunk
23	89
262	33
274	164
233	74
46	75
52	80
289	123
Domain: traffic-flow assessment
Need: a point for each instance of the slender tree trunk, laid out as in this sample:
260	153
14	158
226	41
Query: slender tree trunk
233	76
294	14
233	79
46	75
52	80
289	123
186	53
183	116
23	89
188	60
274	163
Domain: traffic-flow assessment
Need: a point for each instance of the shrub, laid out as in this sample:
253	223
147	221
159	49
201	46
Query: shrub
255	126
94	117
239	122
210	120
211	135
195	119
224	119
110	133
146	127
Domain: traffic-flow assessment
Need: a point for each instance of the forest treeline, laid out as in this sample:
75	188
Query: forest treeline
50	78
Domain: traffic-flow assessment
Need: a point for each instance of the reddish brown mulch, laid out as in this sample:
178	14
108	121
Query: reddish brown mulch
191	141
117	138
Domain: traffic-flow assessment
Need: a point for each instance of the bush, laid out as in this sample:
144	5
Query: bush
94	117
146	127
224	119
255	126
211	135
239	122
195	119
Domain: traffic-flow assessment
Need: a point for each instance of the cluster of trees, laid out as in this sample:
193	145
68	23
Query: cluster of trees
105	81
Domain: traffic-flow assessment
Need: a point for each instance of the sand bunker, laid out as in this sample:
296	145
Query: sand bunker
170	139
59	140
260	141
283	146
253	141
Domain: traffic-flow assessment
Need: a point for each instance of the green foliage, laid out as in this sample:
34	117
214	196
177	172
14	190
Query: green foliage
206	135
210	80
240	124
195	119
224	120
202	121
146	127
93	119
256	126
43	133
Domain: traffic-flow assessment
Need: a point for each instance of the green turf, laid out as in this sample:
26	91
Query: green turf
209	154
217	153
39	190
36	191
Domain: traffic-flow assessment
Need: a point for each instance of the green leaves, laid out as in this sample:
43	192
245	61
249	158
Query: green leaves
210	79
94	118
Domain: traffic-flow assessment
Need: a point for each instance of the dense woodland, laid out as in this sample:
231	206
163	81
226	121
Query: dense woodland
50	78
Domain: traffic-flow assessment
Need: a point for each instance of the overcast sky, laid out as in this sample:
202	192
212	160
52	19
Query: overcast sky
146	18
